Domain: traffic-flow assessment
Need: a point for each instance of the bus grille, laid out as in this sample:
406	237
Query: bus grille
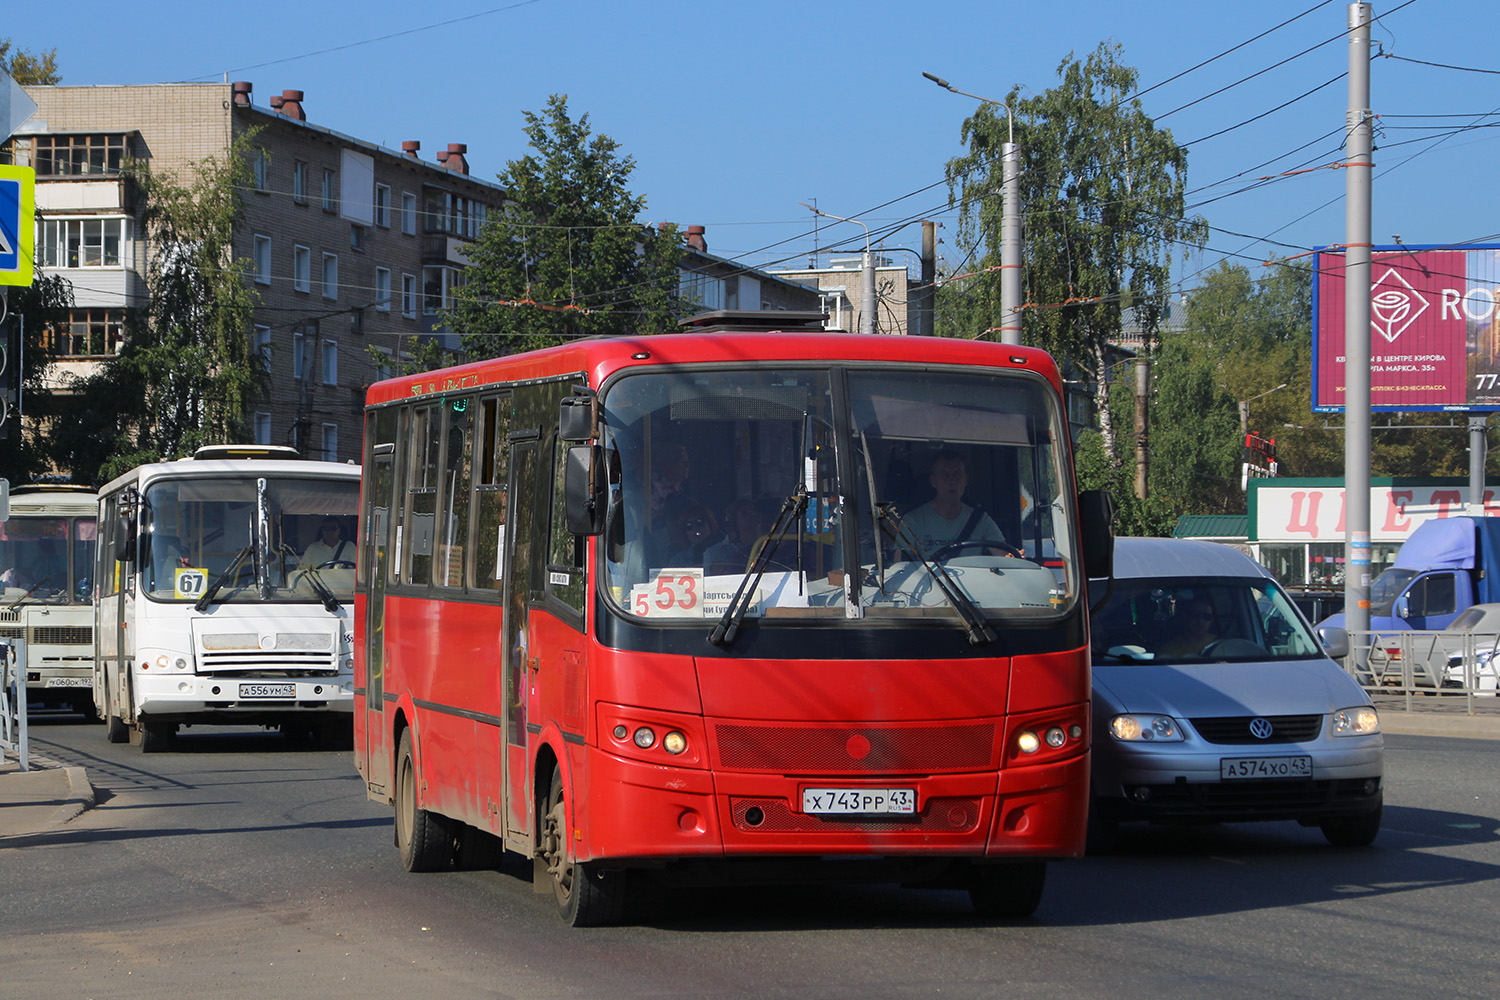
856	750
301	651
10	614
63	635
1235	730
945	815
12	631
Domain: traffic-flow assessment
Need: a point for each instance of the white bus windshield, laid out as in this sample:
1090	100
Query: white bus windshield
47	560
259	538
881	493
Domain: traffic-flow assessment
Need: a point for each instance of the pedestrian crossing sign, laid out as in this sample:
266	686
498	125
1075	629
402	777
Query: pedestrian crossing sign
17	224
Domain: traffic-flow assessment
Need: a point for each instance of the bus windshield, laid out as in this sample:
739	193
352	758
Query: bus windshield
839	493
258	538
47	560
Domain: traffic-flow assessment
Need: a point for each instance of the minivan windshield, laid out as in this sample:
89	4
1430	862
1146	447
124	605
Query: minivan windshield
1209	620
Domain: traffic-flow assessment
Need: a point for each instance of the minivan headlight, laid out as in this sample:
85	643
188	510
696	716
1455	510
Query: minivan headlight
1145	729
1360	721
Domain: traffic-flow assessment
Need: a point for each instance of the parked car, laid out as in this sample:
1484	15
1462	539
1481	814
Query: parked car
1214	701
1473	636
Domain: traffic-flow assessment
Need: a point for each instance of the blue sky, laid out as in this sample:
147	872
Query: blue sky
735	113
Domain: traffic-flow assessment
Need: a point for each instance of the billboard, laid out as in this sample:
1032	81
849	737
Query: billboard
1434	329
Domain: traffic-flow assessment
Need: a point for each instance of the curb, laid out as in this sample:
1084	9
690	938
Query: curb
80	797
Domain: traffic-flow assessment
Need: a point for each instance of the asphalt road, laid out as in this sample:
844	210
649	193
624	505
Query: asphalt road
237	867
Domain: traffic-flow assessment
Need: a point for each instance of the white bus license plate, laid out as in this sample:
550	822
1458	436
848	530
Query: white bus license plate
268	690
69	682
1231	768
859	801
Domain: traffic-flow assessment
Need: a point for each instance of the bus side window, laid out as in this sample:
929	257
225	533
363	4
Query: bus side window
452	542
422	476
491	483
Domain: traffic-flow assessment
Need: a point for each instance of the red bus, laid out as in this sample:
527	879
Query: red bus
684	607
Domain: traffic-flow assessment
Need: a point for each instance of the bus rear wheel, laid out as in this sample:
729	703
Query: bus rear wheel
1007	891
425	839
115	729
587	896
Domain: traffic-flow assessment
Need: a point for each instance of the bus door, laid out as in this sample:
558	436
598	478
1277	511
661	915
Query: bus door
376	539
516	655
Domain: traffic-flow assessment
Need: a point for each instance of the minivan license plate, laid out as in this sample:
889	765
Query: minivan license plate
859	801
1232	768
268	690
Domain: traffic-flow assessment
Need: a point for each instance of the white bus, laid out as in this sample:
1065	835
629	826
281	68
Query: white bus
225	596
46	563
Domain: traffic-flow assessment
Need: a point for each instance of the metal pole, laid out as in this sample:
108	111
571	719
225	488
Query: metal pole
1010	245
867	294
1357	325
1142	382
926	324
1477	446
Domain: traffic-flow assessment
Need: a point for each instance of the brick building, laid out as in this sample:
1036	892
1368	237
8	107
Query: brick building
352	244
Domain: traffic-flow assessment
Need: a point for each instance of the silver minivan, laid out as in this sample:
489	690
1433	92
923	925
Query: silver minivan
1215	702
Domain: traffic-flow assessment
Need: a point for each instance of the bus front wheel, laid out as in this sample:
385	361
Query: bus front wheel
115	729
587	896
424	838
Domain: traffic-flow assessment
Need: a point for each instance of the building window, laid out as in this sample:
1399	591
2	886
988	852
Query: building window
87	333
408	213
330	276
299	182
702	290
262	168
262	260
382	366
299	356
358	236
409	296
383	206
85	242
77	155
382	289
262	346
438	286
330	443
330	362
330	195
301	269
262	427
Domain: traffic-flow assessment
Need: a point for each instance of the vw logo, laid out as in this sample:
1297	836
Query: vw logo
1261	729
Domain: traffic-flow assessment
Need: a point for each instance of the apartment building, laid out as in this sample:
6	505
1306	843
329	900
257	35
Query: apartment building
353	245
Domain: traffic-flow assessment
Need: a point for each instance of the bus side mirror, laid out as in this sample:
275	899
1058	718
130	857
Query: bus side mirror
583	490
575	417
1096	514
124	542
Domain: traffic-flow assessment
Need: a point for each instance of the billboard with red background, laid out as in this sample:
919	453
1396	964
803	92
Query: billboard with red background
1434	329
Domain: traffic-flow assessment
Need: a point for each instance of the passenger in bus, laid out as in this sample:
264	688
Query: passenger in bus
168	554
745	521
330	550
946	519
692	530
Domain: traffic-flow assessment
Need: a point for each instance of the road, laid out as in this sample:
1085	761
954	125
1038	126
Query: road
238	867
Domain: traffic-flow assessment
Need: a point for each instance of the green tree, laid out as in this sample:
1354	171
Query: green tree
29	68
37	307
1102	191
567	257
186	373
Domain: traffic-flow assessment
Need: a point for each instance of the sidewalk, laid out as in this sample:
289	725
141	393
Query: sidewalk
41	799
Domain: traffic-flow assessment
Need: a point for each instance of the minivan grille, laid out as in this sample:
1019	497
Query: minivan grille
1235	730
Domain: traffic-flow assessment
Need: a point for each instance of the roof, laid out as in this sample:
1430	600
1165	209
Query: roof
1155	558
1235	526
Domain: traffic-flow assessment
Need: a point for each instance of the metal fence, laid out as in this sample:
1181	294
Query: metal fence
13	702
1448	666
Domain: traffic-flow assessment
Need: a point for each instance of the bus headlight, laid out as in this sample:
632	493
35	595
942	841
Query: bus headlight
674	742
645	737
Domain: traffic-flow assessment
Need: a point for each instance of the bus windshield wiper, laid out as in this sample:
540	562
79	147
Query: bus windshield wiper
979	632
29	591
201	605
310	571
729	625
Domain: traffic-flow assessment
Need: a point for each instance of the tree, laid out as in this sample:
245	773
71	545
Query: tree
37	307
186	373
1102	189
29	68
567	257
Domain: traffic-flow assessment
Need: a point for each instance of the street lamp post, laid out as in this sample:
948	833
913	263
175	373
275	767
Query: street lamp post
867	289
1010	220
1245	408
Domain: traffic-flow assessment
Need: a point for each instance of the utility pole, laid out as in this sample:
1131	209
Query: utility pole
1477	447
927	294
1357	177
1142	380
867	293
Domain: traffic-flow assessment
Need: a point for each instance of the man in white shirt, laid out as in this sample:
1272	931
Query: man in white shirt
945	518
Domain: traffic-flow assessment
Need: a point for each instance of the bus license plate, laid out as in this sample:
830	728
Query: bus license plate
268	690
69	682
859	801
1232	768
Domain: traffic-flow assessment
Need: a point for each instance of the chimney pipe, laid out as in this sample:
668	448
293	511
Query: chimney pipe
695	239
290	104
453	157
239	92
410	147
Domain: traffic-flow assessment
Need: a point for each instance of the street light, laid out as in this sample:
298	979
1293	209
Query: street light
1010	220
867	291
1245	408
